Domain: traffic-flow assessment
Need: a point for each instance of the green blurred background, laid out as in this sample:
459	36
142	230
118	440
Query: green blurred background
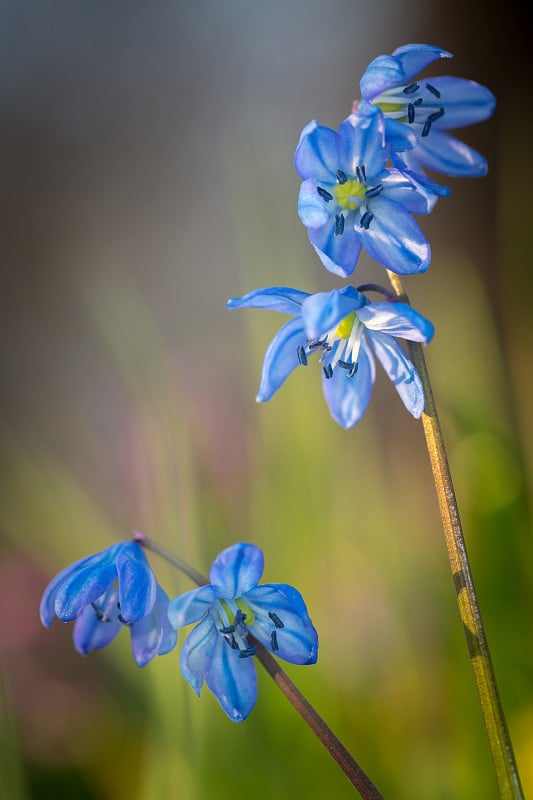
146	177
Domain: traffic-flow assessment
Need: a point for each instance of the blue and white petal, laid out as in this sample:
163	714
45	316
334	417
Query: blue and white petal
416	57
83	587
381	74
237	569
281	358
316	153
361	142
232	680
400	370
137	586
274	298
197	652
444	153
397	319
323	311
466	102
338	253
346	397
96	629
191	606
394	239
313	209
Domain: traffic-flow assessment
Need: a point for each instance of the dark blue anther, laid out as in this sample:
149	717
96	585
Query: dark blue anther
328	371
249	651
374	191
432	89
436	115
427	127
353	369
100	616
239	618
228	629
360	174
276	620
302	358
232	642
274	640
363	172
344	364
411	89
339	224
314	343
366	219
324	194
341	176
410	113
418	101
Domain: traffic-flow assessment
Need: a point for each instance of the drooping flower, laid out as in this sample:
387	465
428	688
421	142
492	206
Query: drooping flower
107	591
218	650
349	200
428	108
347	330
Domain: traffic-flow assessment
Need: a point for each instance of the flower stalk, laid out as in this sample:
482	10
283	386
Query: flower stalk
507	777
355	774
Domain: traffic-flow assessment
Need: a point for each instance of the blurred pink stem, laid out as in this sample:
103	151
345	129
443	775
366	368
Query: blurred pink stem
501	749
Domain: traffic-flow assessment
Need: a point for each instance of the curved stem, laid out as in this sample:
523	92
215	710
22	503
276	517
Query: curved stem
501	749
357	777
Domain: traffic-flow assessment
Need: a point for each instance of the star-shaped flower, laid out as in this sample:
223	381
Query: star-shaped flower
218	650
107	591
347	330
428	108
349	200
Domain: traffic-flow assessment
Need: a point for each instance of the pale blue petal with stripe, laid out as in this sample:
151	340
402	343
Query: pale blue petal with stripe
338	254
93	630
416	57
361	142
316	153
397	319
465	102
274	298
237	569
191	606
444	153
394	239
400	371
381	74
348	398
137	586
197	652
313	210
232	680
324	310
281	358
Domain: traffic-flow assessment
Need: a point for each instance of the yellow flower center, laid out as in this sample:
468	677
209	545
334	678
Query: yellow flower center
349	194
345	326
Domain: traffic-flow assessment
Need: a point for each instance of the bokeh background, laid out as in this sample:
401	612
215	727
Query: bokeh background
147	176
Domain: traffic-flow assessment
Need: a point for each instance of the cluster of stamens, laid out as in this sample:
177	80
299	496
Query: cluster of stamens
235	633
347	337
404	108
351	194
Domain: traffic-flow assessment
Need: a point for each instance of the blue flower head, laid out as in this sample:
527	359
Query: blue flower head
218	650
349	199
427	108
348	331
107	591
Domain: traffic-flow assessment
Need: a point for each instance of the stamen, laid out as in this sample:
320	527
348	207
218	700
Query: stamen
249	651
324	194
410	113
411	89
232	642
436	115
427	127
341	176
353	369
227	630
367	218
432	89
344	364
302	358
374	191
339	224
418	101
240	616
274	640
313	344
360	174
100	615
276	620
328	371
120	619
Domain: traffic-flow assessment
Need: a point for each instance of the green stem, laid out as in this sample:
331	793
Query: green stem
501	749
357	777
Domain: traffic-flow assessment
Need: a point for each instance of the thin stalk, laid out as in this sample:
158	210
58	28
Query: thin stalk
357	777
507	777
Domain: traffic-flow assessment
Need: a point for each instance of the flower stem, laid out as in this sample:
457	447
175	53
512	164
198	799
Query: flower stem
335	748
507	777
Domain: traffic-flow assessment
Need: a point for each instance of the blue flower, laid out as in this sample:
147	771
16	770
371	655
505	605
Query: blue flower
428	108
218	650
347	330
107	591
349	199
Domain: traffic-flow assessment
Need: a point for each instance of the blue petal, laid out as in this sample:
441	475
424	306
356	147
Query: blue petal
361	142
237	569
191	606
339	254
316	154
169	637
394	238
399	136
408	164
323	311
232	680
348	398
444	153
84	587
275	298
297	640
397	319
400	187
416	57
384	72
153	635
47	608
465	102
400	371
313	210
281	358
90	631
197	652
137	585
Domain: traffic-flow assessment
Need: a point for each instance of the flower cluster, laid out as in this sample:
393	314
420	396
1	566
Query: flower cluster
362	186
117	588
